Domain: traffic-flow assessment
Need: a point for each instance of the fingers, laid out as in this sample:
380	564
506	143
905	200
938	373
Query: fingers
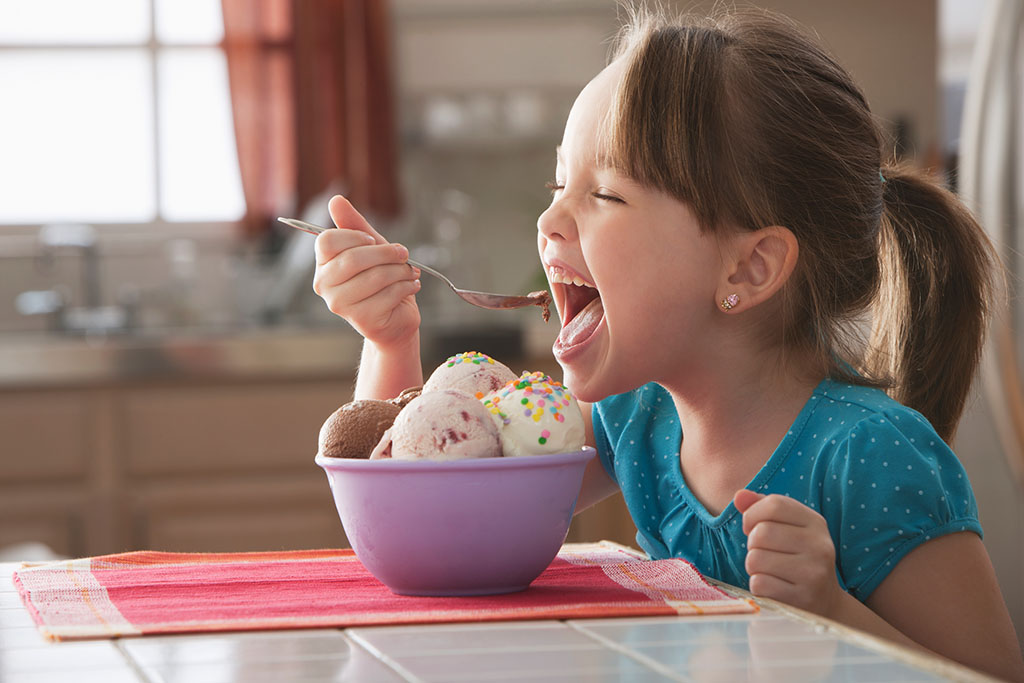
359	273
345	215
342	254
331	243
783	538
376	308
795	565
790	554
793	553
794	578
365	279
744	498
770	586
777	509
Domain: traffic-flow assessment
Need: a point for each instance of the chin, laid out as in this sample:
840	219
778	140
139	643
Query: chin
578	387
584	387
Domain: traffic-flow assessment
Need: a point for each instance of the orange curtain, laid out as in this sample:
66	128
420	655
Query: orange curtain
311	91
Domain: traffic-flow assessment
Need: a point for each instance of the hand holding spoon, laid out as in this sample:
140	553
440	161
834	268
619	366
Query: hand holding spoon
482	299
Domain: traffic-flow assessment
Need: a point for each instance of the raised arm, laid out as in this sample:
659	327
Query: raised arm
365	280
385	372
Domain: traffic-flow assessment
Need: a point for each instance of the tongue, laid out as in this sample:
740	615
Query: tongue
583	324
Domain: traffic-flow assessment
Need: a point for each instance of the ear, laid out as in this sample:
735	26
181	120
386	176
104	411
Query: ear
759	263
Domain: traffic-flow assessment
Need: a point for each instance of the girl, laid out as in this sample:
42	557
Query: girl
721	227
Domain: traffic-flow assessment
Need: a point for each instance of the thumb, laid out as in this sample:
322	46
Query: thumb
744	498
345	215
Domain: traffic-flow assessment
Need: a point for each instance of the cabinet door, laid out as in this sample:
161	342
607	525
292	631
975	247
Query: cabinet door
53	515
47	442
236	429
281	527
45	435
280	512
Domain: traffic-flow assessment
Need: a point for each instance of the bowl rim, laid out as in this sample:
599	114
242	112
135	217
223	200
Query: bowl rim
475	464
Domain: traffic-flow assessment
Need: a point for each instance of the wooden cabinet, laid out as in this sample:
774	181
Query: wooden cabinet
190	466
193	466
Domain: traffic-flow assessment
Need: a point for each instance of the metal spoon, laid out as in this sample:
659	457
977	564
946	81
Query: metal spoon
482	299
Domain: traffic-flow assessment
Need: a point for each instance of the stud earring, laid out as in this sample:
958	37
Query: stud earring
730	301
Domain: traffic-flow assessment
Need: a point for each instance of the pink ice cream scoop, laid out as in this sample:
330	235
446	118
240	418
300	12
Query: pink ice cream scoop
471	372
444	425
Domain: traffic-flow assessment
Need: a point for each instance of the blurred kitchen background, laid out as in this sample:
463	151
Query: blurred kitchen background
164	363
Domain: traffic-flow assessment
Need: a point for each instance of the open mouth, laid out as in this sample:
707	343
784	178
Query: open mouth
581	311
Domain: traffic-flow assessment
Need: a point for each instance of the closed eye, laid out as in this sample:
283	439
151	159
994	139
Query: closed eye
554	186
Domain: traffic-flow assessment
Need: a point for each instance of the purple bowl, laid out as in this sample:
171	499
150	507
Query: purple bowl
466	527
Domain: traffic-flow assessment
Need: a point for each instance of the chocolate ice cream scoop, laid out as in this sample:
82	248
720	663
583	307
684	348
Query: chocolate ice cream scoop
406	396
354	429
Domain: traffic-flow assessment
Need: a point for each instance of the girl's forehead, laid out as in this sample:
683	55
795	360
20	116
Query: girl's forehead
589	113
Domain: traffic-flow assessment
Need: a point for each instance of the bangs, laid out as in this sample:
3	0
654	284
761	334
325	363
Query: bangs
666	124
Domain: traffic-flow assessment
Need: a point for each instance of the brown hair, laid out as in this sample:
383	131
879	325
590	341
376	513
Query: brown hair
753	124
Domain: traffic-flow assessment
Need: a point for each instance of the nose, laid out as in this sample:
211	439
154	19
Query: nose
556	223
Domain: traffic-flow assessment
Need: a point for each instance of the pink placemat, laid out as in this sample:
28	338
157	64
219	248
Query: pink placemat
142	593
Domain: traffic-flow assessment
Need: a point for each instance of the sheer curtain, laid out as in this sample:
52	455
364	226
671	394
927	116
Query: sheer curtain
312	96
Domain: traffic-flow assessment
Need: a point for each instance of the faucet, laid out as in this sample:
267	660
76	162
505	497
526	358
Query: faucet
91	316
83	238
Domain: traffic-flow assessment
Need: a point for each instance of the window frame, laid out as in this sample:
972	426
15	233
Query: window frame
159	229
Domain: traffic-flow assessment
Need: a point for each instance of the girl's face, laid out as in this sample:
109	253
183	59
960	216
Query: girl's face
633	278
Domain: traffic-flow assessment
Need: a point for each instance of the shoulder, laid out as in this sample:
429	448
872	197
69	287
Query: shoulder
850	416
865	437
643	419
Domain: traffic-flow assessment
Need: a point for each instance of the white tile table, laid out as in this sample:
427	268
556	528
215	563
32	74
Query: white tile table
776	645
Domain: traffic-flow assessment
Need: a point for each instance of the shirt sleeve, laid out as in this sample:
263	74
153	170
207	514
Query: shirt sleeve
891	485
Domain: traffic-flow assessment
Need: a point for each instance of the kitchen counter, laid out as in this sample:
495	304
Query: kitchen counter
776	644
28	361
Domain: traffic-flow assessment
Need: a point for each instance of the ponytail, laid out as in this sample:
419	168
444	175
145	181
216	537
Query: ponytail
935	295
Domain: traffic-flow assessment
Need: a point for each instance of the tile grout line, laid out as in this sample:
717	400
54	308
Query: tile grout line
135	666
575	647
632	654
381	657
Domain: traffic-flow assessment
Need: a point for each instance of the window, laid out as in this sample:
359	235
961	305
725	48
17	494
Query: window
115	111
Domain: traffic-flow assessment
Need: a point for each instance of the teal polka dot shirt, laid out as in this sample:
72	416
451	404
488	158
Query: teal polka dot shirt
876	471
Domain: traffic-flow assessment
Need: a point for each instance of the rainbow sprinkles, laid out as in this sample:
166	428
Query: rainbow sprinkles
535	396
474	357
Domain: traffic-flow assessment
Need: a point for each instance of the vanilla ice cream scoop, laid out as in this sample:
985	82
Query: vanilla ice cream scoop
473	373
536	414
444	425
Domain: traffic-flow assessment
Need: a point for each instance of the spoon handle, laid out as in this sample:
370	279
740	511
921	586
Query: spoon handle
302	225
428	269
316	230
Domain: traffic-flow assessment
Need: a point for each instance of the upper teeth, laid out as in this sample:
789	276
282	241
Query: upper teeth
566	279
